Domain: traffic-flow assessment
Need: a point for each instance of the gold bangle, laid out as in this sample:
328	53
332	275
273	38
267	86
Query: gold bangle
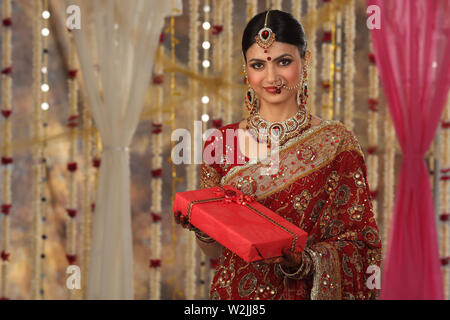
303	271
202	238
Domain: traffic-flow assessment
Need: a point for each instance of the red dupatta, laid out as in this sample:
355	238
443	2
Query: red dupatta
321	186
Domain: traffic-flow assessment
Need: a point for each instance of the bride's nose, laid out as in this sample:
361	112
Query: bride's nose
271	74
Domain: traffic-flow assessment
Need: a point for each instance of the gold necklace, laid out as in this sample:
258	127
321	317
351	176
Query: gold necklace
282	131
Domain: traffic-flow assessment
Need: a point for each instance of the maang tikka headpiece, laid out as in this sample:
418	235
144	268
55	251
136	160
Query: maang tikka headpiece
265	36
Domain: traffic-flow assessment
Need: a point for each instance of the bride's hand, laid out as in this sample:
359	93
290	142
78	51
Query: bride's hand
183	221
289	259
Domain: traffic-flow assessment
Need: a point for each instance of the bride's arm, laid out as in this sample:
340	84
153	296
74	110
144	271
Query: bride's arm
209	177
212	250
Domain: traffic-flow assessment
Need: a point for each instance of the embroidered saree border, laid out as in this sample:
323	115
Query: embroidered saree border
327	278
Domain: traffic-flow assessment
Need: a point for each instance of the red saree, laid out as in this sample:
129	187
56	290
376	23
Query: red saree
322	188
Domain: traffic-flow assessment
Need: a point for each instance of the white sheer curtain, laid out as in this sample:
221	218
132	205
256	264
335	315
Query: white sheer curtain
116	46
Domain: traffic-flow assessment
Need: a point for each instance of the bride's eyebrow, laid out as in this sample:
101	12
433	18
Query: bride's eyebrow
276	59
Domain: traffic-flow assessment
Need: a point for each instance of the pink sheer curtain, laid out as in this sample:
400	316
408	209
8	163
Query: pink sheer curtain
412	53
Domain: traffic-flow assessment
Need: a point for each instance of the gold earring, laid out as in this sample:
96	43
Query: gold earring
251	100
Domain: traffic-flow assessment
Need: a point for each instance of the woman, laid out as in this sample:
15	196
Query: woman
317	181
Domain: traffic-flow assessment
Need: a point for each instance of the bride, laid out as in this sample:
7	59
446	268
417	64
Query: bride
320	185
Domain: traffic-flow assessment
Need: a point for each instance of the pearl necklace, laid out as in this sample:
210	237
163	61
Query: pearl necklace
283	130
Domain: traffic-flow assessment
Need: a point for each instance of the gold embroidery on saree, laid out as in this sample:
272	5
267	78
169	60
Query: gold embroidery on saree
247	285
209	177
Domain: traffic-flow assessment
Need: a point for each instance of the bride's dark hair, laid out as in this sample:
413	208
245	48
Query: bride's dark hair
286	28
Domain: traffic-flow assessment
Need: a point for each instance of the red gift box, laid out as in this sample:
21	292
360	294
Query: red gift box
240	223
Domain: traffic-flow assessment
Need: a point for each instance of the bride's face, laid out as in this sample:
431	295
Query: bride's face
265	70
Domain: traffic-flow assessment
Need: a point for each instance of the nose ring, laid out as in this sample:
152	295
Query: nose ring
279	86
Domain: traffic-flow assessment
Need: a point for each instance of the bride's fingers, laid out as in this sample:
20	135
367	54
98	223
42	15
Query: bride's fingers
185	222
291	258
177	215
273	260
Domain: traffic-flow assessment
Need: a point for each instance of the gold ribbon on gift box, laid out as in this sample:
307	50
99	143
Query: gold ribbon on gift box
242	199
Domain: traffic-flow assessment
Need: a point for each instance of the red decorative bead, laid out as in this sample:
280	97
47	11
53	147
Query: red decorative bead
7	70
7	22
445	178
72	121
155	217
6	113
444	217
5	208
374	194
217	123
157	173
7	160
372	58
265	51
96	162
5	255
72	74
158	79
373	104
371	150
71	212
269	58
162	36
216	29
72	166
157	128
445	124
326	36
445	261
71	258
443	171
155	263
93	206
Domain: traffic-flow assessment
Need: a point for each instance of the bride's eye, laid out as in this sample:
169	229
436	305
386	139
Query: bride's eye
285	62
257	65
